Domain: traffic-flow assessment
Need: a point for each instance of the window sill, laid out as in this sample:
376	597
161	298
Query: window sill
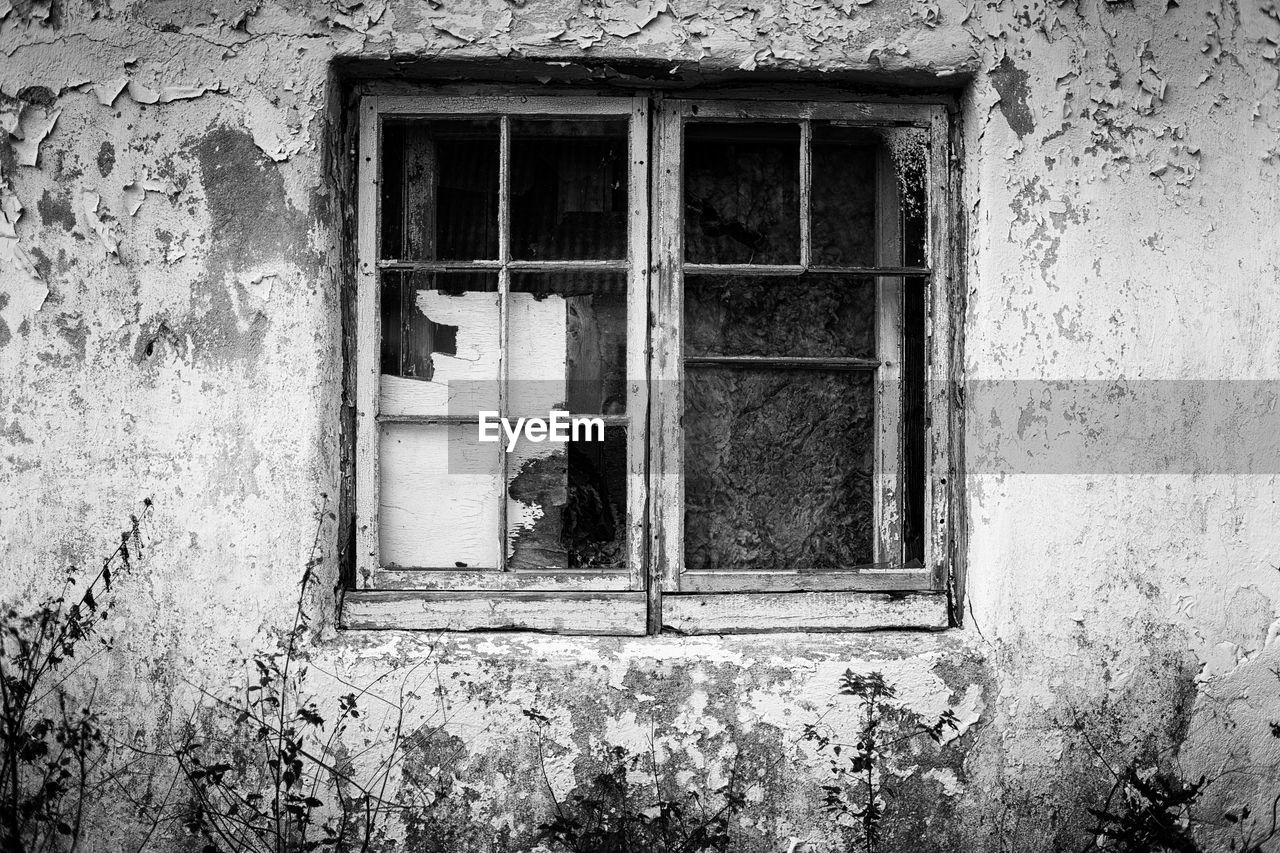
625	613
545	652
752	613
608	613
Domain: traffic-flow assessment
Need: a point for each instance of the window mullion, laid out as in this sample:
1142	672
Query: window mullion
889	343
806	194
368	336
504	288
637	370
666	368
945	432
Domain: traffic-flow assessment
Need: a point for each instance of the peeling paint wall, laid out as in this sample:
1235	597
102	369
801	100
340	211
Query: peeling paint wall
171	305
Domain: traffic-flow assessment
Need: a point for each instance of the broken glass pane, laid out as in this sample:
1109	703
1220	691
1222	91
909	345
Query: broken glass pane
809	315
567	338
440	189
779	469
909	152
742	193
439	342
437	498
851	166
568	189
567	502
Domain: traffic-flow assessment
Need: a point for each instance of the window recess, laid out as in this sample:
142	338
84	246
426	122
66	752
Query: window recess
756	314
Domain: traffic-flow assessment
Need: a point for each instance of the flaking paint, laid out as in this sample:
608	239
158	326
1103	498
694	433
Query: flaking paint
1119	211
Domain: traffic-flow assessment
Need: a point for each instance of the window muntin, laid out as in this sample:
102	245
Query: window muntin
820	219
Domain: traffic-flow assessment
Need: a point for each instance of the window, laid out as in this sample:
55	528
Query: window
741	305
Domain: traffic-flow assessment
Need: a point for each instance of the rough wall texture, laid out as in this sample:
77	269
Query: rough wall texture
170	324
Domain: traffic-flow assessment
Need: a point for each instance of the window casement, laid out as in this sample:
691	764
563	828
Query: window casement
752	298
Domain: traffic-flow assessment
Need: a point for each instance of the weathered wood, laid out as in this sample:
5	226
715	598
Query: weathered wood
789	270
452	579
654	373
439	266
793	270
500	342
607	420
806	193
846	113
563	85
889	348
452	420
638	385
870	580
666	363
944	327
368	337
504	328
609	613
570	266
792	362
448	104
871	271
806	611
514	266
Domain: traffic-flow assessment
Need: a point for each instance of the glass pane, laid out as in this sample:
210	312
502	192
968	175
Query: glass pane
567	502
779	469
909	152
914	385
810	315
850	166
438	497
844	195
440	189
742	193
439	343
568	189
567	334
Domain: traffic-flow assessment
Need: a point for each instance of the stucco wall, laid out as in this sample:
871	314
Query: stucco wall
171	325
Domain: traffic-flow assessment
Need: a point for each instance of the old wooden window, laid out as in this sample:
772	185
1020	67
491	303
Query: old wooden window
750	295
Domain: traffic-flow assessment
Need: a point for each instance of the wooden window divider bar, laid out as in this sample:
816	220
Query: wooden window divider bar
794	363
801	269
609	420
583	265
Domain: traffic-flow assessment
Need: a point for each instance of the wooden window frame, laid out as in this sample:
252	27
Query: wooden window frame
656	593
561	601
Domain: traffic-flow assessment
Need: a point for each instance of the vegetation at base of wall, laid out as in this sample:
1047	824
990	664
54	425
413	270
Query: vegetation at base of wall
1153	809
271	773
272	776
614	816
51	745
1148	813
857	795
